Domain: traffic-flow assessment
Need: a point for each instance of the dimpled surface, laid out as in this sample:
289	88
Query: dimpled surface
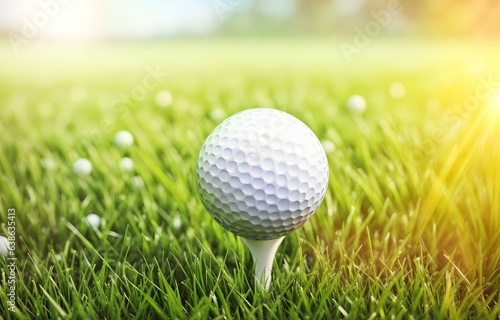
262	173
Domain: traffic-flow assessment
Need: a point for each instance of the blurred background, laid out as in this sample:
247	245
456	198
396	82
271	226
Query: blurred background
108	20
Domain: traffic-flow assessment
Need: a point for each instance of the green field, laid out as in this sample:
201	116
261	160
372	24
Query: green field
409	227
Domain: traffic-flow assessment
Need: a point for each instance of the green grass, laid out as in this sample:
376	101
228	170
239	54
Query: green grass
408	228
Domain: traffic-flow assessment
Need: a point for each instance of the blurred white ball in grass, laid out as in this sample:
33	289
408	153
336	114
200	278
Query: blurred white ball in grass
93	220
126	164
4	246
217	114
164	98
356	104
48	164
82	167
397	90
328	146
177	223
123	139
137	182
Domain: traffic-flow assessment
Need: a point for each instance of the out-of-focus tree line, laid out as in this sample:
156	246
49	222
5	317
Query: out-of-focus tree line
450	18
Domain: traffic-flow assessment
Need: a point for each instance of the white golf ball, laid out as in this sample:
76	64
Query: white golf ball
93	220
177	222
356	104
262	173
123	139
126	164
164	98
82	167
4	246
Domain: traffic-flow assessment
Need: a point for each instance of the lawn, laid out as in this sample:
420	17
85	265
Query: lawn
409	227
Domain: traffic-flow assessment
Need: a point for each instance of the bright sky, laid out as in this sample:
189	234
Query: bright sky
94	19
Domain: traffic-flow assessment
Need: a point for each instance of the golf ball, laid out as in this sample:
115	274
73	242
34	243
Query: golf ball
123	139
82	167
177	222
126	164
93	220
356	104
4	246
262	173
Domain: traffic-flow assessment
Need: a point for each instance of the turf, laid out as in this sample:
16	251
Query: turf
408	228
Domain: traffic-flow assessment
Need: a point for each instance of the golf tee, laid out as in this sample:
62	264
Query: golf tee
263	252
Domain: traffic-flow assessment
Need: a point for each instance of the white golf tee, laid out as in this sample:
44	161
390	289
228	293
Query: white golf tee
263	252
